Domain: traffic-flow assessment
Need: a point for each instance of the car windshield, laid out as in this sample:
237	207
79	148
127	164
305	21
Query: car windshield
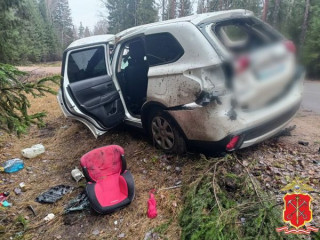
244	34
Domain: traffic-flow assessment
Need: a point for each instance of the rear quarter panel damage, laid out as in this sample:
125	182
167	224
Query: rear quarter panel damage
181	82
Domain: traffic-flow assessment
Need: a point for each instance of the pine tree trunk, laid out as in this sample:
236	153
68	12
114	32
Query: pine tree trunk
276	12
305	24
173	8
291	4
265	10
163	10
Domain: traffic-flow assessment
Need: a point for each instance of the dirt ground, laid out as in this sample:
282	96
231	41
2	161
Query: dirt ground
275	163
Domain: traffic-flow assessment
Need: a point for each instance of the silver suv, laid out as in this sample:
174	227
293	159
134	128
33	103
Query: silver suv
224	80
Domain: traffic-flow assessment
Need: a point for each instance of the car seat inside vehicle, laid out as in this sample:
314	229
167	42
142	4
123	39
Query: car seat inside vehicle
134	76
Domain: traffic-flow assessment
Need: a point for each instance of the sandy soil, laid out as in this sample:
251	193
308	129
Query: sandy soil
275	163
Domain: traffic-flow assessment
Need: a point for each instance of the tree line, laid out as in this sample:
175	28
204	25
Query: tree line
39	30
298	20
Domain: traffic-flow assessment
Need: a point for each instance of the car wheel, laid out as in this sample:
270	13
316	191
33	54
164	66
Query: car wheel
165	133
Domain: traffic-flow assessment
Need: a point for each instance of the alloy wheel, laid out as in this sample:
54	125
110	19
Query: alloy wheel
162	132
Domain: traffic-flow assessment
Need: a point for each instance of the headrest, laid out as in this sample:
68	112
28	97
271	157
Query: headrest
136	50
104	161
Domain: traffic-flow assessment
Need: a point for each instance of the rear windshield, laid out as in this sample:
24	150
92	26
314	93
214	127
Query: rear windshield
244	34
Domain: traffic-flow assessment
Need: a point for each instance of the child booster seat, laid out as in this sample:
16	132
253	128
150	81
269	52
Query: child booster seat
110	186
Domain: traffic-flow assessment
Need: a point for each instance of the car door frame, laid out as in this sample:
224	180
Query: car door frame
129	119
67	103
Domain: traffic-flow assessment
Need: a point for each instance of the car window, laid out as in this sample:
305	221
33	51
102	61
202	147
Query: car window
243	35
235	33
85	64
162	48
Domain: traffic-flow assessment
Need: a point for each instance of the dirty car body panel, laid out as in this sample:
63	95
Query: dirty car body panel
224	78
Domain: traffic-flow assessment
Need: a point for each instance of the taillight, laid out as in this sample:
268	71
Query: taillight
290	46
232	144
242	64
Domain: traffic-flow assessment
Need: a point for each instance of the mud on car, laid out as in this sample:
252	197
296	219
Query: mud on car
225	80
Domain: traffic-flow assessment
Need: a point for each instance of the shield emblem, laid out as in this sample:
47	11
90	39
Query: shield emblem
297	209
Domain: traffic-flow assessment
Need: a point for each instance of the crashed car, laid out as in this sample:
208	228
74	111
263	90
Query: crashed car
223	80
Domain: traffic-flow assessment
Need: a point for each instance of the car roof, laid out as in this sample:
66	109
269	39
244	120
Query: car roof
195	19
92	40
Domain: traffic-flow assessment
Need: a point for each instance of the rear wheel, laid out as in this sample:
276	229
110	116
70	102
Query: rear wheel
165	133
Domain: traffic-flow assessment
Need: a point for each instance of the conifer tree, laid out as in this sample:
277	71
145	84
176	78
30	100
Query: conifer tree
81	31
14	104
63	23
87	32
184	8
123	14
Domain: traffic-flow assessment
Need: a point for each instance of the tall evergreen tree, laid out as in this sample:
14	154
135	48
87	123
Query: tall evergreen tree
124	14
81	31
63	22
311	50
184	8
146	12
87	32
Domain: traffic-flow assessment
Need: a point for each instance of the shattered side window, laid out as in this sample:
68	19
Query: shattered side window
87	63
162	48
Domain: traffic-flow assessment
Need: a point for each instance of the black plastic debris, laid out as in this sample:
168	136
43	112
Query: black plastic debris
304	143
54	194
79	203
32	210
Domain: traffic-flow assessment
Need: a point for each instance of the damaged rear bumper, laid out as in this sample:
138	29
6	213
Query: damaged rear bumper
250	136
213	128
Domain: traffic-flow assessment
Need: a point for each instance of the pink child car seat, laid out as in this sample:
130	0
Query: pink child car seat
110	186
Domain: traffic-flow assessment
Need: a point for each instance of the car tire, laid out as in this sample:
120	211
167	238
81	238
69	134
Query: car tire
164	133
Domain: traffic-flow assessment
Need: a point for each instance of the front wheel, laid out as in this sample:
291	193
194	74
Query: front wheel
165	133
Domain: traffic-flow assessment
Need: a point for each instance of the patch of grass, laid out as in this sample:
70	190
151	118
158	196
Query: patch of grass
163	228
216	208
22	221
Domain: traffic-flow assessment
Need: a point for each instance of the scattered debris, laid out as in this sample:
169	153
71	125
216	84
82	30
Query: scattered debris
81	202
33	151
178	183
4	196
316	162
32	210
304	143
152	206
77	174
17	191
13	165
54	194
6	204
49	217
96	232
121	235
178	169
287	131
151	235
173	187
116	222
22	185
